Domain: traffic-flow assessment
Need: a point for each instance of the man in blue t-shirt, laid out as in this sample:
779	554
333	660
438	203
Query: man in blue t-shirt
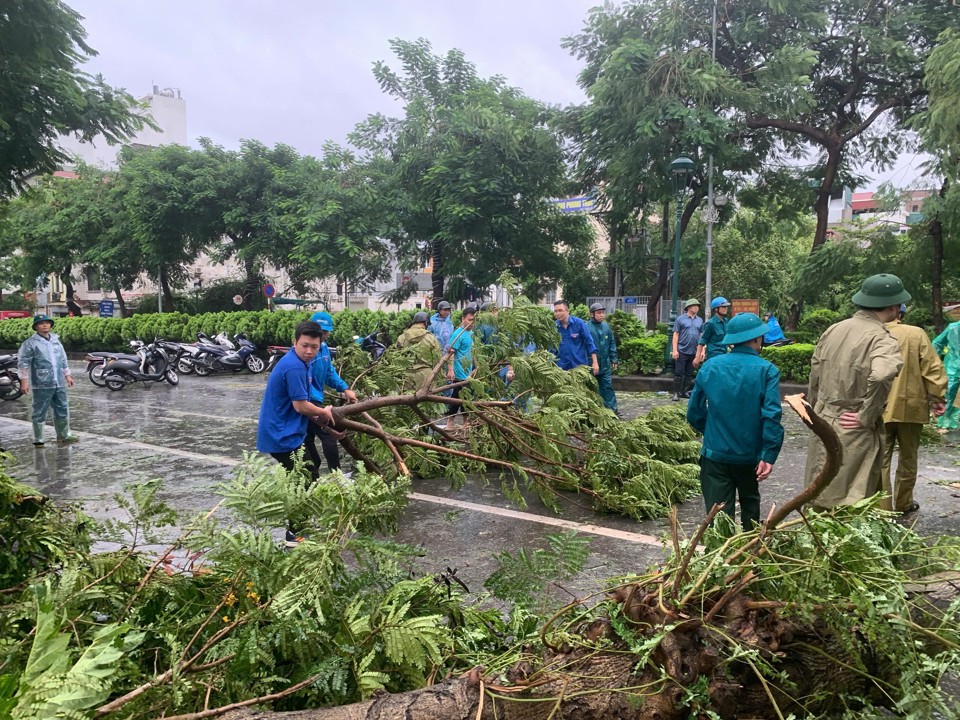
686	338
286	408
576	343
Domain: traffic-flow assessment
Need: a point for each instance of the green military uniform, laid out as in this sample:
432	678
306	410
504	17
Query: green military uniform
712	336
735	403
426	351
852	369
606	358
921	379
947	345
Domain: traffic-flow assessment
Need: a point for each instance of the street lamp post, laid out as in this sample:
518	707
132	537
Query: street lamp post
680	170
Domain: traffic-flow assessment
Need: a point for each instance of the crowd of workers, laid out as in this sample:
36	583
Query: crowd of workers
873	378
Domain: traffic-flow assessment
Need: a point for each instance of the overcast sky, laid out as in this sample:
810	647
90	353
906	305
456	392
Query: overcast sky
299	71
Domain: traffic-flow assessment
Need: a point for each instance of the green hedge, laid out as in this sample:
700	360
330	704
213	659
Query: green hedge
793	361
642	355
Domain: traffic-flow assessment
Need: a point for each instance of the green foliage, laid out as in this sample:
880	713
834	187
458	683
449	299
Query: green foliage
44	93
793	361
341	608
625	326
15	301
815	322
521	577
642	355
472	167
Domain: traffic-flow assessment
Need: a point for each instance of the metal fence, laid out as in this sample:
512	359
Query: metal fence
636	304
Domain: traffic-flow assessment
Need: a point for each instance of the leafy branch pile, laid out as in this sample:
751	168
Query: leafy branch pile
547	432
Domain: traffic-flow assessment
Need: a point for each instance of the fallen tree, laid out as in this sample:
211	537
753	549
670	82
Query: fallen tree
814	616
547	431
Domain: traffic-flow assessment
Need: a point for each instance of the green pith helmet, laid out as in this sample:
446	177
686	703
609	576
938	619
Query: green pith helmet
744	328
690	302
880	291
37	319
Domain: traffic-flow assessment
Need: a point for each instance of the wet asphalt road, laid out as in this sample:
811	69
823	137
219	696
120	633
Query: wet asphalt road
192	436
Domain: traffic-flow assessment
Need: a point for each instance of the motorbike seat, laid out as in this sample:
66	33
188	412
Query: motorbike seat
4	359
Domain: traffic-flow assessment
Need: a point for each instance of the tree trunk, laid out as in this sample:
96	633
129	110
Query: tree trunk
822	205
72	307
936	272
168	303
656	294
436	277
251	288
120	301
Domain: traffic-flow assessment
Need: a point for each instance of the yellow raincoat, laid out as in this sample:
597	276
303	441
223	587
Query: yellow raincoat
853	367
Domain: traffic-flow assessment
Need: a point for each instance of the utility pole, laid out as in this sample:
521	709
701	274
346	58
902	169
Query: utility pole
710	214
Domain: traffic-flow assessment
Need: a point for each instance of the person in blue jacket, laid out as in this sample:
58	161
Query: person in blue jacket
735	403
441	326
44	371
576	343
325	375
460	360
774	331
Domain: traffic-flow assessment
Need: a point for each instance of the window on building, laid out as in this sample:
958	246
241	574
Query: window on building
93	279
916	208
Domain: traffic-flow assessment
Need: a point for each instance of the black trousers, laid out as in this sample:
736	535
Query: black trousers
454	409
312	459
723	482
328	444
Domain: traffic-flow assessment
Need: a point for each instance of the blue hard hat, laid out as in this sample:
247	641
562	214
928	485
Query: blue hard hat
324	320
719	302
903	308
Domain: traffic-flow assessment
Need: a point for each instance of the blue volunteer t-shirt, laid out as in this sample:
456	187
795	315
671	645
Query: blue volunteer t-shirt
281	428
576	344
462	343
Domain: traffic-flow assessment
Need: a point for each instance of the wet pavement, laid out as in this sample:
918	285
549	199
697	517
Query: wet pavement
193	435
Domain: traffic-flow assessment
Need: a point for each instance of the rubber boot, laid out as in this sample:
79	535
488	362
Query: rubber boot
687	386
676	388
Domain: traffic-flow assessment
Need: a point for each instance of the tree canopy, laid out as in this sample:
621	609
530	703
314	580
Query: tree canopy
44	94
476	166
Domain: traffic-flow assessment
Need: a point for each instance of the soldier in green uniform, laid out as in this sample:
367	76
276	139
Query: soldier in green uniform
711	339
606	354
851	373
735	403
44	372
425	349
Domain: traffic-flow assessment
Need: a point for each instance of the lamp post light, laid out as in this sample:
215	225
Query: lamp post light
680	169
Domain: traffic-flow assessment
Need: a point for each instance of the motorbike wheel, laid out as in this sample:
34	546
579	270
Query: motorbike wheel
171	377
12	391
95	372
114	381
255	364
202	370
185	366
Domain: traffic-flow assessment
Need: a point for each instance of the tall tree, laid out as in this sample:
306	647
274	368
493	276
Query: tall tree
254	193
939	128
831	80
341	217
172	198
475	165
43	94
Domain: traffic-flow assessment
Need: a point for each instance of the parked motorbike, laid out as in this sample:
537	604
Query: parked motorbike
780	343
155	362
97	361
214	357
9	379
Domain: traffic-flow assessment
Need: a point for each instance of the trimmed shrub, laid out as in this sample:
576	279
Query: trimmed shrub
793	361
642	355
816	321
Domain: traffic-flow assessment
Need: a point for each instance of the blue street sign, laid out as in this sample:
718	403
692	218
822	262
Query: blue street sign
269	290
106	308
630	300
